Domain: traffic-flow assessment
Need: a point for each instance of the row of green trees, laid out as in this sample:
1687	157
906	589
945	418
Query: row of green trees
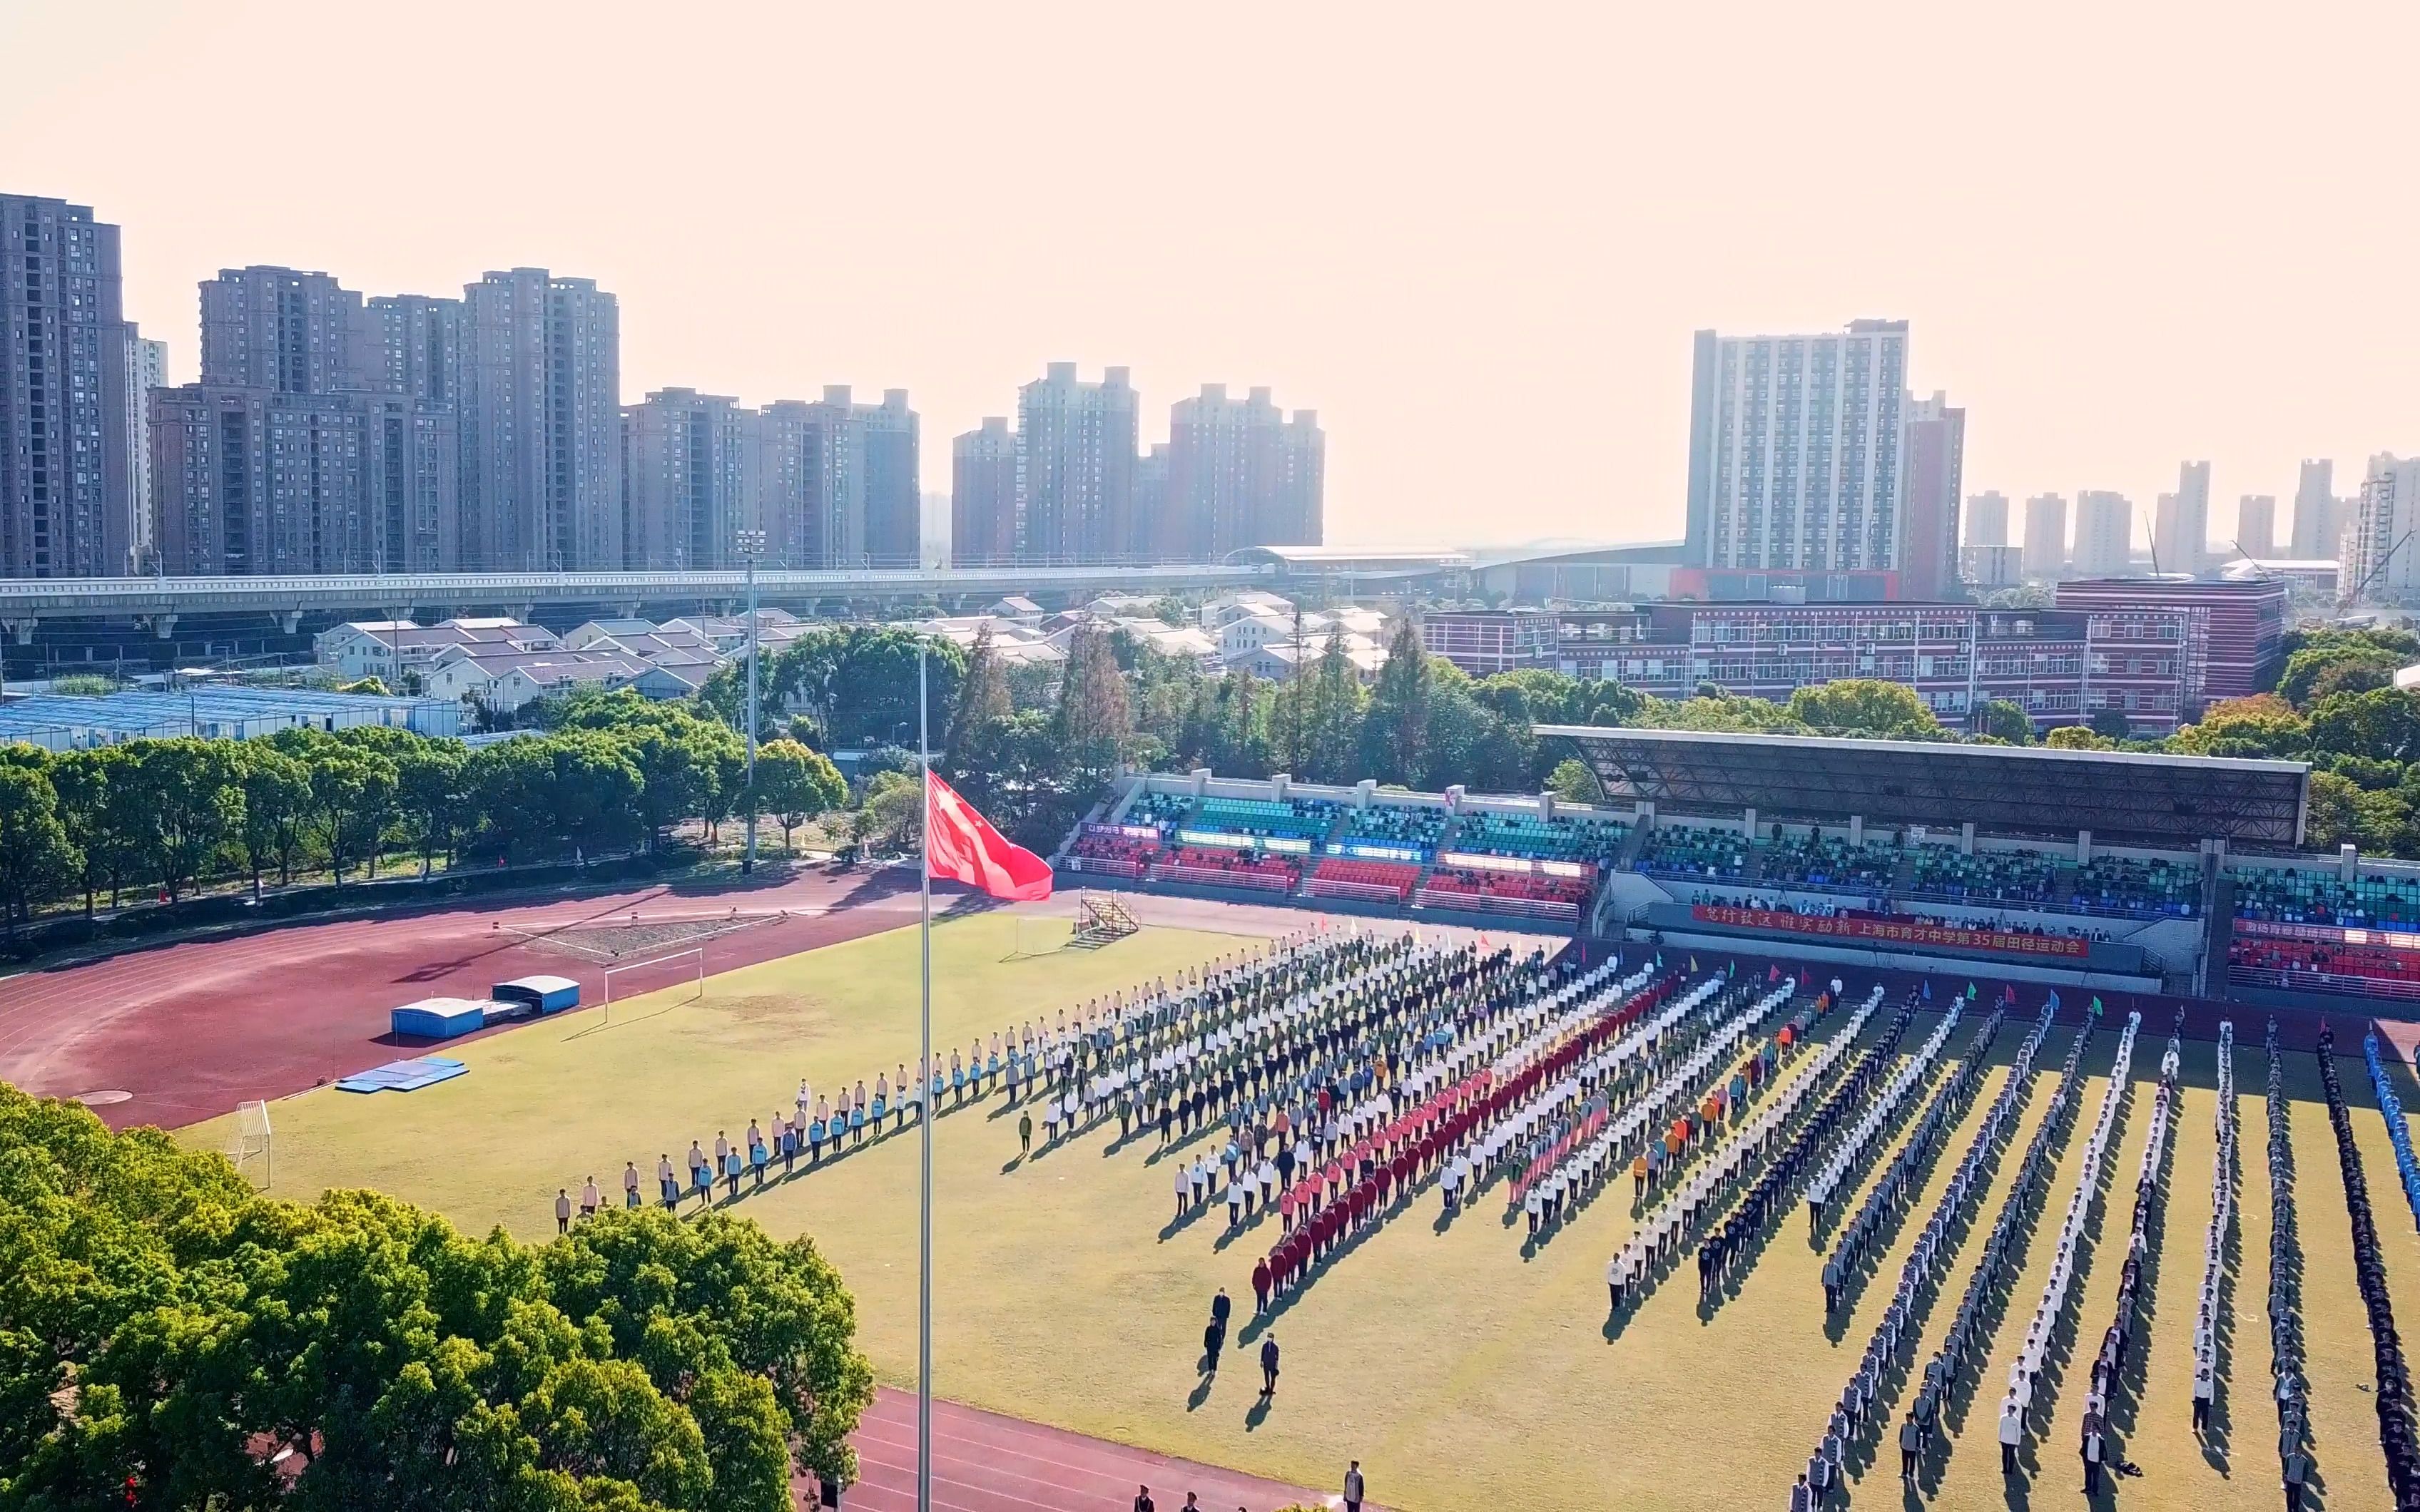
171	1339
611	771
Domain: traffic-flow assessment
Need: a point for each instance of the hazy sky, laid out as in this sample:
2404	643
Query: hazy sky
1475	239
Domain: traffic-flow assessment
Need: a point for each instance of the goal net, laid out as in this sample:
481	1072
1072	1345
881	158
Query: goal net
656	972
249	1146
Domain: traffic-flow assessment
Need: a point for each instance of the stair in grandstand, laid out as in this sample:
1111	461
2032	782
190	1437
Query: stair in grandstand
1902	876
2062	880
1753	872
1100	920
1632	843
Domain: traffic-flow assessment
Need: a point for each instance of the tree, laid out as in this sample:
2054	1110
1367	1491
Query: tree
1094	724
352	791
192	789
794	784
277	796
80	780
2382	724
2004	719
2111	724
429	791
1395	730
2076	737
1865	707
2346	664
164	1332
981	696
889	818
36	857
2263	725
1573	782
1333	716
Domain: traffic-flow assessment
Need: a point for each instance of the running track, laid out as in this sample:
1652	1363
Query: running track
984	1462
193	1029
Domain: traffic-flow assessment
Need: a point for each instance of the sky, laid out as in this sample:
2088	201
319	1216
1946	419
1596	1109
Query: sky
1475	239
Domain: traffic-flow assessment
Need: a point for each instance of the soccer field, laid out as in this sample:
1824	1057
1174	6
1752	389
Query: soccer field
1461	1369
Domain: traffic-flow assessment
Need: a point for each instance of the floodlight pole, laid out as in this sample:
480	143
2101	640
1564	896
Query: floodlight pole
751	543
925	1104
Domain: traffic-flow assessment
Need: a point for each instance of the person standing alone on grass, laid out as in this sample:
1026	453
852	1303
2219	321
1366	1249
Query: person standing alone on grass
1268	1367
588	1200
1352	1487
1024	1134
562	1210
1214	1339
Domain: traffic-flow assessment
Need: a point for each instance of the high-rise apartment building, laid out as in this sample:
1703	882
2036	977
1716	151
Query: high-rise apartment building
1240	473
685	470
2318	515
2255	526
68	507
1987	518
1075	468
1935	461
419	346
1797	449
2104	534
287	332
2384	561
541	424
837	481
302	448
1158	532
982	495
147	368
255	481
2180	526
2045	556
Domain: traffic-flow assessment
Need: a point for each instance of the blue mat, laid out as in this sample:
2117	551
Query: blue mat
404	1075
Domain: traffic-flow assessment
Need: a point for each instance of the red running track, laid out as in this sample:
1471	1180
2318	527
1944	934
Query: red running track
984	1462
192	1028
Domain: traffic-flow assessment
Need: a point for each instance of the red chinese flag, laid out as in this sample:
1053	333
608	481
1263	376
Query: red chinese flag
960	843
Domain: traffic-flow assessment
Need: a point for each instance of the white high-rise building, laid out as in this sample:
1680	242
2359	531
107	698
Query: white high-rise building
1987	518
2318	514
1796	450
2045	537
2104	534
2181	528
2383	563
147	363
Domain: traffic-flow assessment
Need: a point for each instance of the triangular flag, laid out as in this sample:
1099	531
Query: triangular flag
1928	989
2054	999
962	844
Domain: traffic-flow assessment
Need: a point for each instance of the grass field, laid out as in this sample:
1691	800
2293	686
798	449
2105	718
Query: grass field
1460	1372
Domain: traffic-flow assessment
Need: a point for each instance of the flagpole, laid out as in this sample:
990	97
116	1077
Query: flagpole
925	1105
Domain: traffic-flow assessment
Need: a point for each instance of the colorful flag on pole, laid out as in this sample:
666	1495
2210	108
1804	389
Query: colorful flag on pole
1928	989
961	844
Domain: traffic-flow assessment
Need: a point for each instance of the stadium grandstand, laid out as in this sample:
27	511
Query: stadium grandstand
2135	873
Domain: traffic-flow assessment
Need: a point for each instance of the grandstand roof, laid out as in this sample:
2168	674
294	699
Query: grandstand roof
2123	798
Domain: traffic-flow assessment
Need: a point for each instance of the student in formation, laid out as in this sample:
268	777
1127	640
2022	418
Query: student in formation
630	1184
669	1188
589	1200
562	1210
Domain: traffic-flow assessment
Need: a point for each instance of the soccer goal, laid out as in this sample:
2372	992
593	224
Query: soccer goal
663	970
250	1147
